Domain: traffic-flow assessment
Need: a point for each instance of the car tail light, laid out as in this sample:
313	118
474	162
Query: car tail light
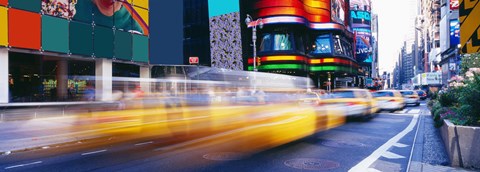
351	104
393	100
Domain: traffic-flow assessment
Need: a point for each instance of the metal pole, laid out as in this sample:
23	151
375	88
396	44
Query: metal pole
254	39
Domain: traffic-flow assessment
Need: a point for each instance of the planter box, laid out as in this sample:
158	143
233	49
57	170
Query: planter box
462	144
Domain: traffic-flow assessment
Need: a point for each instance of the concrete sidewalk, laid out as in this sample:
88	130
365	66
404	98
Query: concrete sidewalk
429	154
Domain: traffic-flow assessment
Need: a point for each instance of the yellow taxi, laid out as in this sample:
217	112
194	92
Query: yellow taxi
411	97
356	102
389	100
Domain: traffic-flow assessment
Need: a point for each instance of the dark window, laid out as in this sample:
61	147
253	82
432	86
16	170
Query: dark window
383	94
322	45
343	94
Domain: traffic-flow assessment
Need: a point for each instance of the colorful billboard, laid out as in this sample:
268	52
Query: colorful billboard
454	32
361	23
121	14
91	28
338	11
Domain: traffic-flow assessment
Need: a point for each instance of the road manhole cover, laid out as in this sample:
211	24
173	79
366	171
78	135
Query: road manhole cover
312	164
341	144
224	156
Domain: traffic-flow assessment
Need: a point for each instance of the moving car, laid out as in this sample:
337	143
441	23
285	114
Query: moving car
411	97
422	94
389	100
356	102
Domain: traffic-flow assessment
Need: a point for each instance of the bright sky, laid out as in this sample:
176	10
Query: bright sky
393	23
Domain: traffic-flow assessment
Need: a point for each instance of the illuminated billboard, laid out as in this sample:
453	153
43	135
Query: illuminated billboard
361	23
338	10
454	32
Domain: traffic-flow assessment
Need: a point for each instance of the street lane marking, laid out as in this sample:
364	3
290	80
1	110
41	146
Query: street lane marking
402	111
365	163
414	111
144	143
21	165
373	170
413	146
399	145
391	155
94	152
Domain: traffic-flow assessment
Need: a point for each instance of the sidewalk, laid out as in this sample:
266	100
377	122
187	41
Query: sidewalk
429	154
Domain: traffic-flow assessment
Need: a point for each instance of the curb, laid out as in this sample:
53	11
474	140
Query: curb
415	163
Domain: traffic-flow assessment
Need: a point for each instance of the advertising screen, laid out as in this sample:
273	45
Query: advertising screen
454	32
360	5
122	14
363	46
338	11
360	18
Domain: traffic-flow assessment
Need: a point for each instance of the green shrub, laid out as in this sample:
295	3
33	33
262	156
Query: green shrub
431	103
448	98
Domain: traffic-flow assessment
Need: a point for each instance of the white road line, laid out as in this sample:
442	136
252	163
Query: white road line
94	152
391	155
400	145
365	163
414	111
21	165
144	143
413	147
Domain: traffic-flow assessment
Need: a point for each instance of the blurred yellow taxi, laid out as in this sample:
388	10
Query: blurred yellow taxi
356	102
389	100
411	97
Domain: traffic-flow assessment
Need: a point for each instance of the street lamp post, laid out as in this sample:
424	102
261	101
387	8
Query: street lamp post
256	23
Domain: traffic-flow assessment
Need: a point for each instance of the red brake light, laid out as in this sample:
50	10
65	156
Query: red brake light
393	100
350	103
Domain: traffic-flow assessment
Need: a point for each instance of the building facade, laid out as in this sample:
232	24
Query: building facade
302	38
450	40
429	20
54	50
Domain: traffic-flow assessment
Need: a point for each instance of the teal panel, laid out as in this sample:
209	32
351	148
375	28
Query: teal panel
220	7
83	11
81	39
103	42
140	48
123	45
29	5
103	20
54	34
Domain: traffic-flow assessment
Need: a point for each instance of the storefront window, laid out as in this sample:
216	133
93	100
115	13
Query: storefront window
322	45
266	44
35	78
282	42
338	47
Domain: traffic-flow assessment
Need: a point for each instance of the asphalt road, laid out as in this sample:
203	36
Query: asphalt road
383	143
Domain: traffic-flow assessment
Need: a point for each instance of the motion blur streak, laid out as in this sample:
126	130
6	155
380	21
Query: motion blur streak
239	115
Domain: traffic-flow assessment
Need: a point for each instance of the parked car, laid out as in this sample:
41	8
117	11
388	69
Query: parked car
389	100
411	97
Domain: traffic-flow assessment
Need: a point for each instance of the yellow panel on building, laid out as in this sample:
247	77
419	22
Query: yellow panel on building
470	26
143	13
3	26
141	3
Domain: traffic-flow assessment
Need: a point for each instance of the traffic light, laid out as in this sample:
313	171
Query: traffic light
259	62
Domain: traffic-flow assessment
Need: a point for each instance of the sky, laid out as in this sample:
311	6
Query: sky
394	21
